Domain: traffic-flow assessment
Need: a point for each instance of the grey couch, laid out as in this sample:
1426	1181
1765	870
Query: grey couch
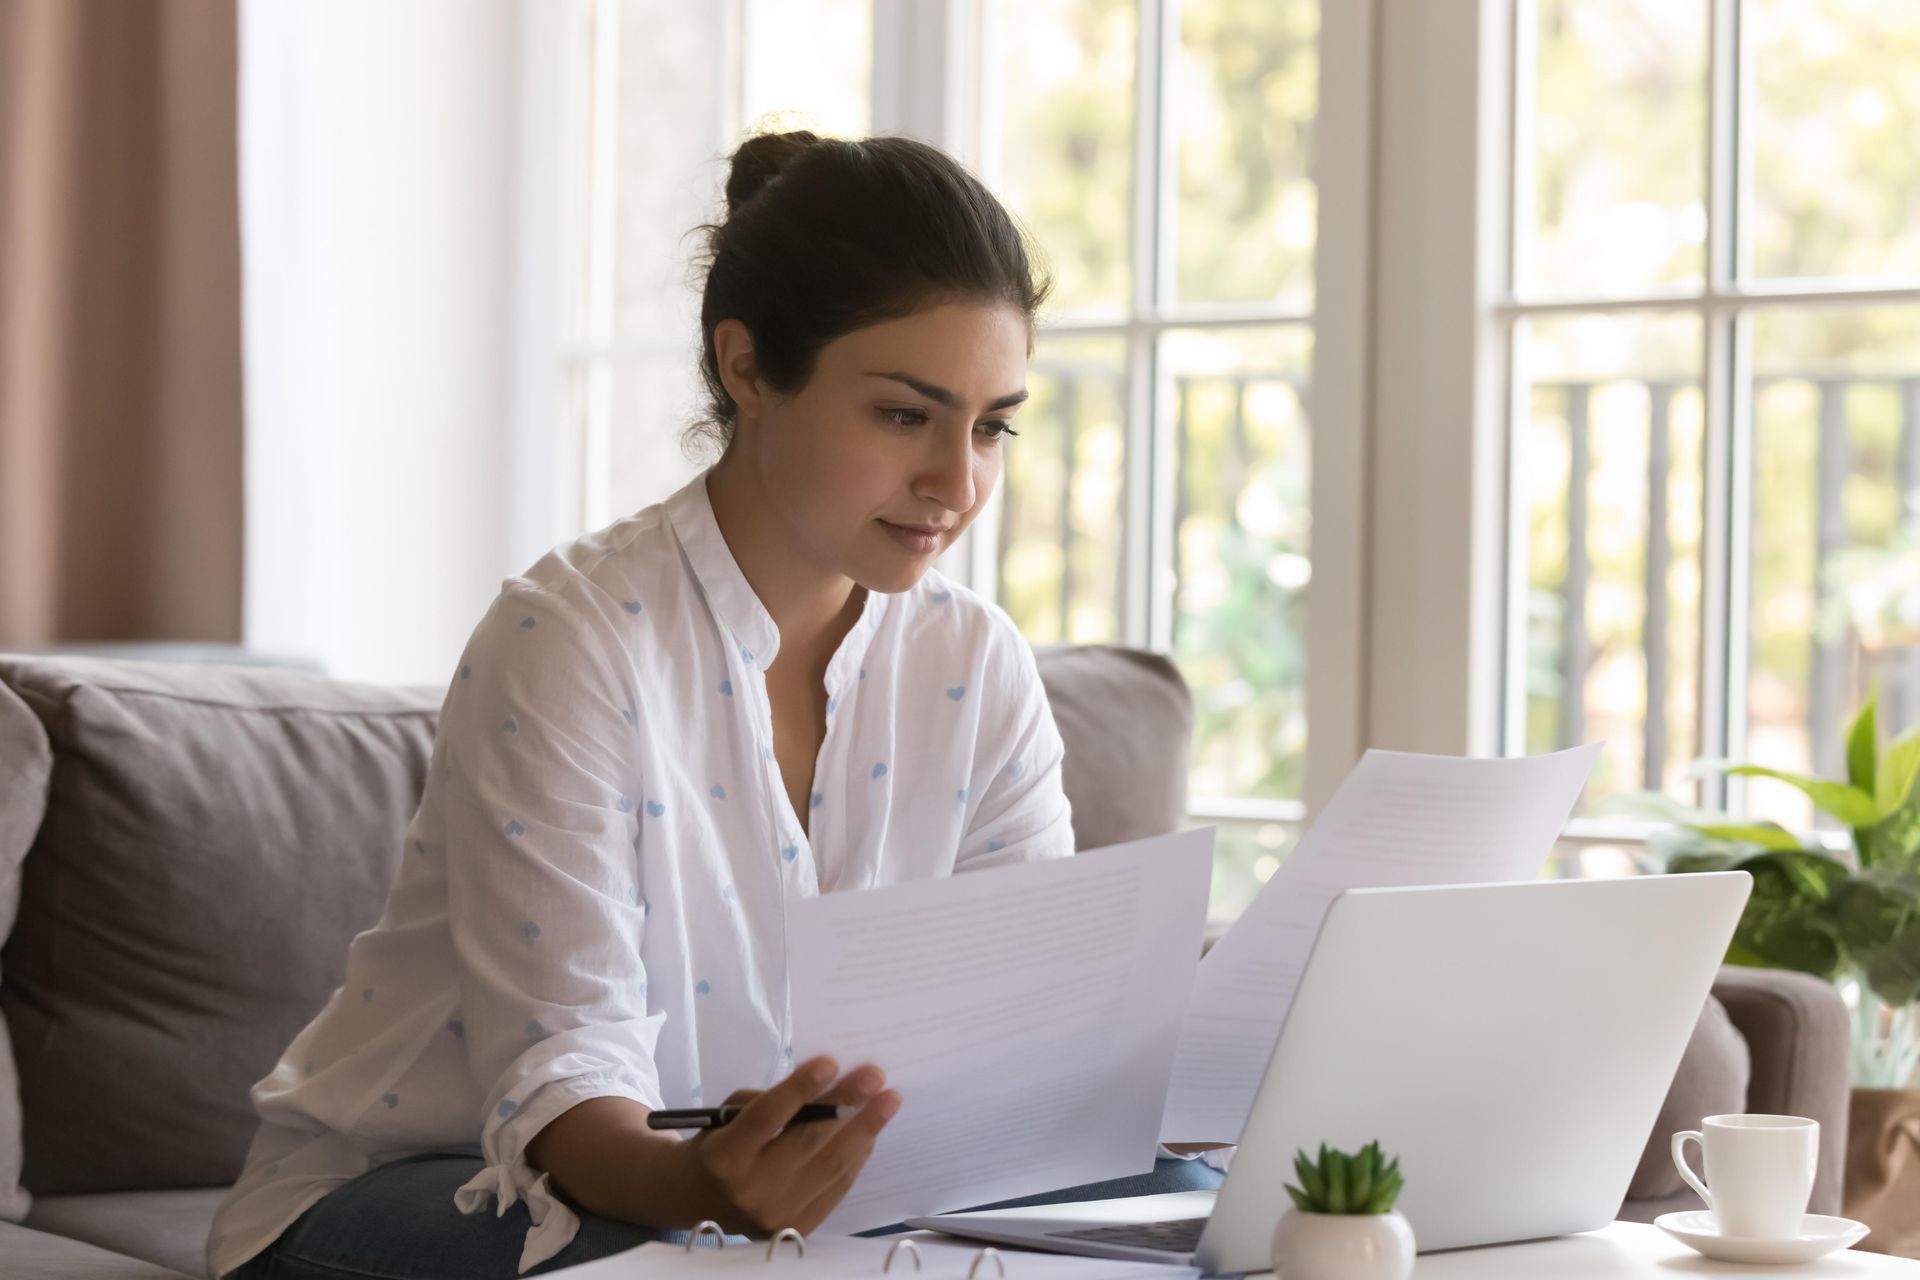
190	847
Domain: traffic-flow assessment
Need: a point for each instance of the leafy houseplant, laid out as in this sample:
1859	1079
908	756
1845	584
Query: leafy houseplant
1343	1225
1851	918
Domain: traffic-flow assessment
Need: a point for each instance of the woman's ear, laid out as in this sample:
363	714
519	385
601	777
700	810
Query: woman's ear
739	371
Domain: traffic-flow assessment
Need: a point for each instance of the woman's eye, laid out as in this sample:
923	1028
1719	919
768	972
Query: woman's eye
904	417
997	429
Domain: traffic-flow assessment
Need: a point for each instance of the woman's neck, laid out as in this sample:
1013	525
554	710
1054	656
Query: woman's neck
812	609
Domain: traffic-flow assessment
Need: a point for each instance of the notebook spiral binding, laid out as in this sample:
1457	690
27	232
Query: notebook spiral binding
780	1237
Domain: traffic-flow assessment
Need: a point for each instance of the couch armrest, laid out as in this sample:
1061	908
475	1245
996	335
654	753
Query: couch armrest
1798	1034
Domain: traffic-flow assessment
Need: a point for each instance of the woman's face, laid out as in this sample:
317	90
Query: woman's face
888	452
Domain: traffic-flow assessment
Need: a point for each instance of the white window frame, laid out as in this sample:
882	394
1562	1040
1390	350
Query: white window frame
1448	562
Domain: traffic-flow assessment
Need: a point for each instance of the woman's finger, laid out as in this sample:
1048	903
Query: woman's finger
761	1120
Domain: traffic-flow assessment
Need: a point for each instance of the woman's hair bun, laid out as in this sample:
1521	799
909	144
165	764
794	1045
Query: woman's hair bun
761	159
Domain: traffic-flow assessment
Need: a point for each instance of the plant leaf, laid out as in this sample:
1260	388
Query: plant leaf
1300	1201
1850	804
1877	917
1863	745
1788	921
1360	1184
1336	1171
1894	779
1313	1179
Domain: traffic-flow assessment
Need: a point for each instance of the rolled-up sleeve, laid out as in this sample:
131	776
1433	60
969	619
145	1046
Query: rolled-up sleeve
1022	814
540	779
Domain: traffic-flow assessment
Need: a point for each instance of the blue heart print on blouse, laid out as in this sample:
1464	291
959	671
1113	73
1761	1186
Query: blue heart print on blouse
531	929
508	1108
995	846
863	673
697	1093
509	726
392	1100
791	852
717	791
526	624
420	847
816	800
466	672
727	893
726	688
458	1028
534	1029
957	692
833	704
631	606
941	597
655	808
961	795
513	828
1015	769
746	656
631	716
701	988
879	771
367	994
627	804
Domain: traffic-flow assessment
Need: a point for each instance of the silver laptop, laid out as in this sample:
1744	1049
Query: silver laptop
1511	1043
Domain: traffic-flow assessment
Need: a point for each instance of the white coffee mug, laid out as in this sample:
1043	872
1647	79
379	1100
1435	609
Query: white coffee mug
1759	1171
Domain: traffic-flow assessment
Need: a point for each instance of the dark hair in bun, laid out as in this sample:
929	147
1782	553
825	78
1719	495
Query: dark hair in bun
827	235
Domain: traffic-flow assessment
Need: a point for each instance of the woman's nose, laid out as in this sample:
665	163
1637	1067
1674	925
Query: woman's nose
947	477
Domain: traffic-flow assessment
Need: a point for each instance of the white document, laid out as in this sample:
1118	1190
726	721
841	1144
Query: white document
1027	1016
849	1258
1398	819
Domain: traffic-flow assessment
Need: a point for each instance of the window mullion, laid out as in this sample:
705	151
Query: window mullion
1723	533
1150	452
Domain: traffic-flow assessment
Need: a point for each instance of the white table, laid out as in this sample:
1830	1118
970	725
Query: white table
1631	1249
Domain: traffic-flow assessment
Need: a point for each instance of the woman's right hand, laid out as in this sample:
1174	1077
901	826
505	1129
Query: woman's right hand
762	1173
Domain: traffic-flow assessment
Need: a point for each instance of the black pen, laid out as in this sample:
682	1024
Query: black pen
714	1117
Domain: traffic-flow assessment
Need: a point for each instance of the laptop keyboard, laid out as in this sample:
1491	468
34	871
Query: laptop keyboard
1176	1235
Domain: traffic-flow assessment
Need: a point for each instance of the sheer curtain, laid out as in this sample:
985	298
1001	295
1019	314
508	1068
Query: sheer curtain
397	163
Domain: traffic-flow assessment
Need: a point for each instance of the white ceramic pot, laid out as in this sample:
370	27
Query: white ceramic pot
1342	1246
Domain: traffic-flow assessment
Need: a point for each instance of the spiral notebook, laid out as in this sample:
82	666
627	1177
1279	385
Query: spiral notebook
787	1257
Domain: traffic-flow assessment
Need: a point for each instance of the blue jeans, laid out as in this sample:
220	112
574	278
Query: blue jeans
397	1222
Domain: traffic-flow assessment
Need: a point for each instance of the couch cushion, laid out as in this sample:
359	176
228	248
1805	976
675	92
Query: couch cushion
1712	1081
213	838
167	1228
40	1255
1127	720
25	763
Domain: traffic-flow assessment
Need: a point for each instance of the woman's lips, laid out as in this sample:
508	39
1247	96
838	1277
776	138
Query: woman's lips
914	538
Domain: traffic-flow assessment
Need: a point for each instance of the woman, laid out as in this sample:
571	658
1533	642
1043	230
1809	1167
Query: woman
662	734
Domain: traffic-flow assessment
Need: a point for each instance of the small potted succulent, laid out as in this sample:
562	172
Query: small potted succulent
1343	1225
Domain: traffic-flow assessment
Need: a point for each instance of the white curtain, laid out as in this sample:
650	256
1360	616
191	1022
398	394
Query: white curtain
399	168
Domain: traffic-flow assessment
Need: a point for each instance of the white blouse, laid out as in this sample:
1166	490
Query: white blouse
593	894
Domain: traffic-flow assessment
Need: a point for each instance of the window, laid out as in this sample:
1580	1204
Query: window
1715	335
1160	493
1163	487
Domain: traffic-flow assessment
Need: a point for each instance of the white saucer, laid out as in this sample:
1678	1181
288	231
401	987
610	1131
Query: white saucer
1819	1234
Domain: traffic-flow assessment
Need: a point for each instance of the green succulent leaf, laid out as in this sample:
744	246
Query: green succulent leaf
1300	1200
1361	1177
1336	1171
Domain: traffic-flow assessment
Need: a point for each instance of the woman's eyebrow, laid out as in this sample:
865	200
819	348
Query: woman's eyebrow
940	395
